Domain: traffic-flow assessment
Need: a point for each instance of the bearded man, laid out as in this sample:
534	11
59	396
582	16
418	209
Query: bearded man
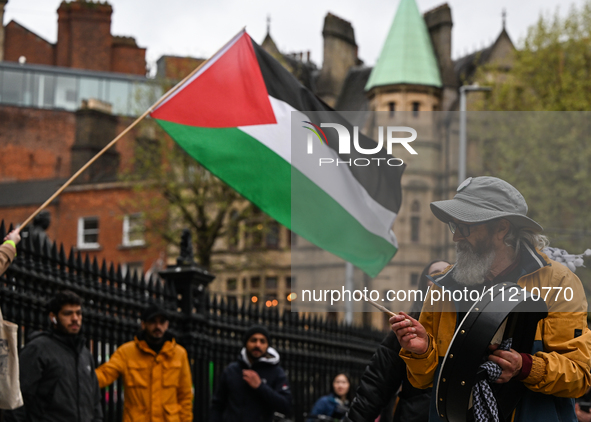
57	376
496	242
156	373
255	386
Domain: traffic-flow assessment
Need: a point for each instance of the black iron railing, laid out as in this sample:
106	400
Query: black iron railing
312	349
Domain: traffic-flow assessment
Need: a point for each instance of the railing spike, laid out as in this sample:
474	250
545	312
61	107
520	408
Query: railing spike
54	255
104	273
78	261
86	264
62	254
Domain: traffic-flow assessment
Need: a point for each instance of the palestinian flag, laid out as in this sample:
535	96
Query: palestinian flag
234	116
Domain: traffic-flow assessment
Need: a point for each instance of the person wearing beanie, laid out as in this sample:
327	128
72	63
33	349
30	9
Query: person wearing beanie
156	373
255	329
253	387
496	242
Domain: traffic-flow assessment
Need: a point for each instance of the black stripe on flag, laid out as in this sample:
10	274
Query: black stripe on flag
381	182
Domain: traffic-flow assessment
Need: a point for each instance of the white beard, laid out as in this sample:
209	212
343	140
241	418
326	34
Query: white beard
472	267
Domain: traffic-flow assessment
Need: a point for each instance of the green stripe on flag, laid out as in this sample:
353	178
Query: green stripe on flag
317	217
242	162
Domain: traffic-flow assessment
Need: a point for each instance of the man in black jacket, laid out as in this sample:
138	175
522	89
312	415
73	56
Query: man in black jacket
382	378
57	375
386	373
254	387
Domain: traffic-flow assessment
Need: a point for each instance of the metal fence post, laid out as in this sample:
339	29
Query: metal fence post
189	279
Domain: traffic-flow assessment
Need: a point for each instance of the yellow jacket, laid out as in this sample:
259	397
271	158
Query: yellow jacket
562	345
158	387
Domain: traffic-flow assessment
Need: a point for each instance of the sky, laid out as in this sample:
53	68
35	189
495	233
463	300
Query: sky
199	28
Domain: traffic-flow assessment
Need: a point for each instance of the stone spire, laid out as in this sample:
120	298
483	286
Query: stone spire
407	56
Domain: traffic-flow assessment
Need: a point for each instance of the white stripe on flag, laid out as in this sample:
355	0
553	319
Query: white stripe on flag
338	182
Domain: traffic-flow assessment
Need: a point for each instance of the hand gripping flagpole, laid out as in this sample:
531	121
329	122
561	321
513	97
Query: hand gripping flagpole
122	134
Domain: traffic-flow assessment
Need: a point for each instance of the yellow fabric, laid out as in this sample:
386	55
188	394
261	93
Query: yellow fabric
157	387
10	242
561	369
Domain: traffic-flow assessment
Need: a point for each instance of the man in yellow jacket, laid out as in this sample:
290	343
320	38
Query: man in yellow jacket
156	373
496	242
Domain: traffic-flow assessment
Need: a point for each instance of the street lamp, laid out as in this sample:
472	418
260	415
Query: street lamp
463	142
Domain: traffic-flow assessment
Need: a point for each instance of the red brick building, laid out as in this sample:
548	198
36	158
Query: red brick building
84	41
51	125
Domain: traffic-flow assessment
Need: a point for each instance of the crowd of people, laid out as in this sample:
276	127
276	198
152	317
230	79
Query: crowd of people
496	242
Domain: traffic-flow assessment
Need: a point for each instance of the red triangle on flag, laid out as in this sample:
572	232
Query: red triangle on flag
231	92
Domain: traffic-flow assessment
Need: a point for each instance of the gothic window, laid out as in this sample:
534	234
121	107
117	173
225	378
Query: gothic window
271	283
255	283
253	228
391	108
272	235
231	285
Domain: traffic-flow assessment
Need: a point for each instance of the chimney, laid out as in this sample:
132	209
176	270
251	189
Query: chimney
2	4
84	38
340	54
439	23
95	128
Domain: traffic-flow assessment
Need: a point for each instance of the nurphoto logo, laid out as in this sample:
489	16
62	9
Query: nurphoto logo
345	143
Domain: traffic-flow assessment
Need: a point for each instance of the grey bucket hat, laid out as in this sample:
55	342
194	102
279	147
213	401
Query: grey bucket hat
484	198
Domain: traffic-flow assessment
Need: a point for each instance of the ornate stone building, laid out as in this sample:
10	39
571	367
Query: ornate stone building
415	83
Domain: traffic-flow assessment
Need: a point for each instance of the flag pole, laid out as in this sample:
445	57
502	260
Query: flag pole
122	134
380	307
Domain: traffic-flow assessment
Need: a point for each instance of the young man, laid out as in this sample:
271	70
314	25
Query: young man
496	242
57	376
254	387
156	373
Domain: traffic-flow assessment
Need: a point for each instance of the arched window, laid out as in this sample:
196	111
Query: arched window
253	229
272	235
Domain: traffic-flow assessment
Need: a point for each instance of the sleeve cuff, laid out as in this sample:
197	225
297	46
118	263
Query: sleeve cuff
11	243
538	369
526	364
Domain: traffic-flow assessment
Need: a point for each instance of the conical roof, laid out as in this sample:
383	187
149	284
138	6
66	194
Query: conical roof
407	56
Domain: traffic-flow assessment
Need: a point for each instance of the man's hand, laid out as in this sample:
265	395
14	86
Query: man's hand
411	334
14	236
509	360
251	378
582	416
